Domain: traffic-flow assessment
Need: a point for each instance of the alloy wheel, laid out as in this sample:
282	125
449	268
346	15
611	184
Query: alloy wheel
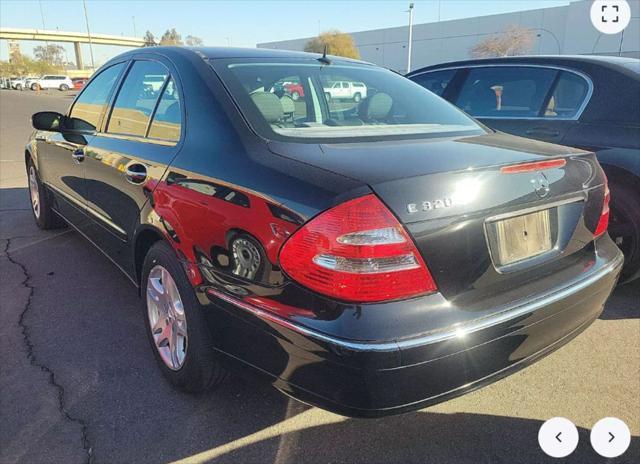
167	319
34	191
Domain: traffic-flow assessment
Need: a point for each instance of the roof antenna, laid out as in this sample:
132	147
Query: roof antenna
323	59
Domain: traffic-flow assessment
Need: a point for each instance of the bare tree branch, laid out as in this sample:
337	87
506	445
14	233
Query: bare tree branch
515	40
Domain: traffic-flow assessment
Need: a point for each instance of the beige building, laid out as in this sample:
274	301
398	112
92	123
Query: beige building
563	30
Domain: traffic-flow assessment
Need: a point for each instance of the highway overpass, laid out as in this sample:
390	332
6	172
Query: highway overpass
74	37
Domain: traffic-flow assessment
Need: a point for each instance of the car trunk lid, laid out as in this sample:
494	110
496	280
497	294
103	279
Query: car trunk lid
478	226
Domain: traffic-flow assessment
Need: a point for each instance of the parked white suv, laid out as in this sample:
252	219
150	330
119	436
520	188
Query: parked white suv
17	83
52	82
355	91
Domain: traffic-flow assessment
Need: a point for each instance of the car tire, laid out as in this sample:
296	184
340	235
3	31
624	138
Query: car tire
295	96
35	87
40	199
327	96
64	87
357	97
191	363
624	225
18	87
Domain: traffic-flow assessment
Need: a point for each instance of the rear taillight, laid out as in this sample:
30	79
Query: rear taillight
357	252
603	222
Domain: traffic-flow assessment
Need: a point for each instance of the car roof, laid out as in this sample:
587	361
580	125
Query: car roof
610	61
213	53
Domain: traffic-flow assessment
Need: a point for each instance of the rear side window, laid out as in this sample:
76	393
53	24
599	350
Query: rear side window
504	91
137	98
436	81
568	96
89	105
167	119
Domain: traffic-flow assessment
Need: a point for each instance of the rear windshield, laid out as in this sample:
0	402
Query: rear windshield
311	102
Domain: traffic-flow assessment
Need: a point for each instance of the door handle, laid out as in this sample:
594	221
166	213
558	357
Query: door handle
542	132
136	173
78	155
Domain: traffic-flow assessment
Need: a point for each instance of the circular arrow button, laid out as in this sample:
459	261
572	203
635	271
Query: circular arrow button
610	437
558	437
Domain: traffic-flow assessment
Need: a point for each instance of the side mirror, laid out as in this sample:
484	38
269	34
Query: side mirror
47	121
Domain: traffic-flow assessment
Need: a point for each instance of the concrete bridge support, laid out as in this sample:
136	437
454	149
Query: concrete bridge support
78	50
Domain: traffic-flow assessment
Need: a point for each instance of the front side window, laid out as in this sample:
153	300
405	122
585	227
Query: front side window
342	102
435	81
568	96
167	119
137	98
86	111
505	91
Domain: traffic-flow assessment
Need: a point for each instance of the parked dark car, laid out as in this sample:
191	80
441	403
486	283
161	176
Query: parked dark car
370	258
588	102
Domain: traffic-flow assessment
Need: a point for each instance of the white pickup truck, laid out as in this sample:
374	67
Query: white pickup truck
346	90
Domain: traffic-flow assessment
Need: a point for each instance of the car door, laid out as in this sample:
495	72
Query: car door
61	155
567	99
129	156
345	91
336	90
530	101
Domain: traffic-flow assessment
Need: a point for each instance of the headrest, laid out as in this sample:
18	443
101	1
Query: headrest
269	105
377	107
173	113
288	106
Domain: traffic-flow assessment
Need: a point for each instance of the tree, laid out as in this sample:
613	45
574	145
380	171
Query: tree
52	54
149	39
26	67
171	37
338	43
515	40
193	41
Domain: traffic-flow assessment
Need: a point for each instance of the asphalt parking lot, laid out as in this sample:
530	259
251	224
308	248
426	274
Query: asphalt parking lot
78	381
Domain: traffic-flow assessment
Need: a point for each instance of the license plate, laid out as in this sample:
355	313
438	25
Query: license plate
522	237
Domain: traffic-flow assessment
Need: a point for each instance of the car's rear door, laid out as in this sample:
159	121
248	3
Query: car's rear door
537	102
131	153
61	155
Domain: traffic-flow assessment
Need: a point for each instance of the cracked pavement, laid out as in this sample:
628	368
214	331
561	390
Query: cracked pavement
78	381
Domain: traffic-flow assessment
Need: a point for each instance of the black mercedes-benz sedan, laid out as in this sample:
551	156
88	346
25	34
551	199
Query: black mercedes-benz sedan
589	102
368	255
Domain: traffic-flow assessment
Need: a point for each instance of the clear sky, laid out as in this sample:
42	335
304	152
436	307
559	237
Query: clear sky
236	23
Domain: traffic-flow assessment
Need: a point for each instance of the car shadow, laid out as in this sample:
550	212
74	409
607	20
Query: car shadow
12	199
624	302
416	437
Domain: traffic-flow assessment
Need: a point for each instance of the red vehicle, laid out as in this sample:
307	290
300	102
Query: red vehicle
294	90
79	83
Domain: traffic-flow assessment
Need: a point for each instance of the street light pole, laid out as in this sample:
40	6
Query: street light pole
46	42
410	37
86	20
